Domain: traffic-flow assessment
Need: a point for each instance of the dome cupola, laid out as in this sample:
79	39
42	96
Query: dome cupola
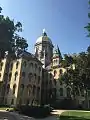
43	38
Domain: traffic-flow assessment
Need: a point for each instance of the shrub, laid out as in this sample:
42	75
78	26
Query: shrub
34	111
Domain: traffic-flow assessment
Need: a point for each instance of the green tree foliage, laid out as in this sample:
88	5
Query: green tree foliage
9	38
88	25
78	78
67	61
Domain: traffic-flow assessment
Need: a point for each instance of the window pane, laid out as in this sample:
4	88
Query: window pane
61	91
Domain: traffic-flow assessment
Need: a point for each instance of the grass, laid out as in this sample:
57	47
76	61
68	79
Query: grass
4	108
75	115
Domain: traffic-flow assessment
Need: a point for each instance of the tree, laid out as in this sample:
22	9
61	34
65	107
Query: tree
88	26
10	42
67	61
79	78
9	39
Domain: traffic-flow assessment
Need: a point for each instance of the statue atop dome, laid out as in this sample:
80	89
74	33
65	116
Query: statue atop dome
44	32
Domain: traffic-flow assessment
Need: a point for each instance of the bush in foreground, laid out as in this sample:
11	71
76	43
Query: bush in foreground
34	111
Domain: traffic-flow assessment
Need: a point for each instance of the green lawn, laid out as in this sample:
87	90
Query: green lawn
75	115
4	108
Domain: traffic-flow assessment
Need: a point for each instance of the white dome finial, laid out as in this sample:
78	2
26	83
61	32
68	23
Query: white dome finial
44	30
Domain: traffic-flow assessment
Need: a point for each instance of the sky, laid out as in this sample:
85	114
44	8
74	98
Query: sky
64	21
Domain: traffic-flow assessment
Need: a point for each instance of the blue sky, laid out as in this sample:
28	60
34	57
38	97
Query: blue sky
64	21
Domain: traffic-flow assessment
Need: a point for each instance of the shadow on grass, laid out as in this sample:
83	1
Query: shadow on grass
73	118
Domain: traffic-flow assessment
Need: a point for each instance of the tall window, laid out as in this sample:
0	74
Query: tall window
0	75
17	64
34	89
56	61
1	65
38	79
11	66
6	76
16	74
35	66
30	76
12	101
24	63
55	82
50	83
61	91
23	74
38	92
8	87
29	91
50	76
35	76
14	88
55	72
21	88
39	69
10	75
68	92
31	65
60	71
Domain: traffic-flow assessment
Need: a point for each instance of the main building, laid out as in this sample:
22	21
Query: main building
33	79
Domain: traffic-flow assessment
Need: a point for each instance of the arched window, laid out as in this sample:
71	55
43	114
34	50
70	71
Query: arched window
1	65
8	87
35	76
31	65
16	74
6	76
60	71
55	72
0	75
30	76
68	92
14	88
61	91
21	89
11	66
29	91
55	82
50	82
23	74
35	66
12	101
39	69
38	79
56	61
22	86
38	92
50	76
34	89
17	64
24	63
10	75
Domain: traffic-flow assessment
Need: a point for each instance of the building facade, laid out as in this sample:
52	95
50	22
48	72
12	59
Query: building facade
34	79
21	80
